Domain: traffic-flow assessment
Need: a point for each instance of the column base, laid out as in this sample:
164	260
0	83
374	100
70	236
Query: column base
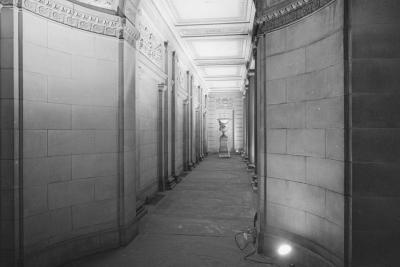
171	183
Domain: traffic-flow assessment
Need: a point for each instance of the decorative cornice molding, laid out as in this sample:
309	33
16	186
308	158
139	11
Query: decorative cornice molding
75	16
274	18
130	33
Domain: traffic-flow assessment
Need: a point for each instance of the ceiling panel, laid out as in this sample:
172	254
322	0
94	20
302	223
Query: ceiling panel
208	11
224	84
222	71
217	48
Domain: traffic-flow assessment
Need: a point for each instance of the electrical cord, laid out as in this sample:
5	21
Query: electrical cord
250	236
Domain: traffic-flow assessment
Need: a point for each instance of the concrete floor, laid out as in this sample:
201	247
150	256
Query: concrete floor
194	224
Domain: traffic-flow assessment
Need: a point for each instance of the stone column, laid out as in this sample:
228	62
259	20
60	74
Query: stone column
11	138
261	141
161	133
173	116
191	130
167	96
186	134
252	117
245	123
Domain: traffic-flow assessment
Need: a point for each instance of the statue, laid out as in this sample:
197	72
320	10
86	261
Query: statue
223	140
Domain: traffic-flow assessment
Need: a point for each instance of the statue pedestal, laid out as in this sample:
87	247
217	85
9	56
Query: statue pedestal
223	147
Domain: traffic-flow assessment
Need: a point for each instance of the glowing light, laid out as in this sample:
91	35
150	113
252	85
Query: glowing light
284	249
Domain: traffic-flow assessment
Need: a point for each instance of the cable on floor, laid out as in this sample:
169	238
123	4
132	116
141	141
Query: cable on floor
248	237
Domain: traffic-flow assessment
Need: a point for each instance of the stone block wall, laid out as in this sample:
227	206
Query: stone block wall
147	125
374	131
227	105
70	132
304	85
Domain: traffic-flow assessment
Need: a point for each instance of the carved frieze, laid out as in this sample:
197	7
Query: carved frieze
78	17
180	75
273	18
149	44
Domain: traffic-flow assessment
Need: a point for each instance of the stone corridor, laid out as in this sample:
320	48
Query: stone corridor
194	224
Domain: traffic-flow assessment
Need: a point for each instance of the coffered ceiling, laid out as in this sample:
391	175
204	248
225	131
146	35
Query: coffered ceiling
216	34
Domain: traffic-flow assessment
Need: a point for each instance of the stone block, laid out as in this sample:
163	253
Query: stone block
84	68
6	83
94	117
65	142
65	194
296	195
6	172
83	44
376	145
6	142
326	173
316	85
325	233
41	171
306	142
376	214
35	200
335	144
35	58
7	109
376	41
106	188
61	90
36	228
275	42
327	113
39	115
291	115
106	48
376	179
276	91
286	167
94	165
334	211
59	37
309	198
7	24
376	111
6	53
106	141
58	64
34	29
276	141
286	218
35	143
35	86
96	212
324	53
60	221
373	12
286	64
375	75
